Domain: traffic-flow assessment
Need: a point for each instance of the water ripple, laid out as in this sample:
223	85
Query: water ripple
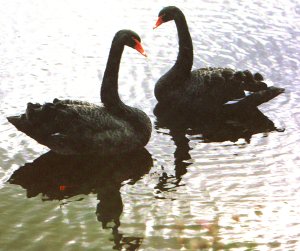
239	193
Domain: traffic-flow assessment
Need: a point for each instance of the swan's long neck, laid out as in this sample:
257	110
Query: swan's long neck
109	89
181	70
184	60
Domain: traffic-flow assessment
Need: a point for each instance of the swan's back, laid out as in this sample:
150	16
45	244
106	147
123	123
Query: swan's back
224	84
76	127
205	92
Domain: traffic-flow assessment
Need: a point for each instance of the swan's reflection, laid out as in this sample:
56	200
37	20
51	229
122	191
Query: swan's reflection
234	125
58	177
168	182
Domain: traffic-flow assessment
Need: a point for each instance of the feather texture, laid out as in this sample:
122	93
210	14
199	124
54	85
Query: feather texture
79	127
204	92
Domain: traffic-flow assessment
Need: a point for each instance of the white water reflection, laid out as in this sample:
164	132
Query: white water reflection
235	194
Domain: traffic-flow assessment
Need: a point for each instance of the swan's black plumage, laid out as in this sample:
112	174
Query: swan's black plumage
206	90
78	127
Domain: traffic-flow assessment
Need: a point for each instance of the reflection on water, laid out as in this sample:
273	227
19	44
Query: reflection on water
241	124
59	177
233	184
233	127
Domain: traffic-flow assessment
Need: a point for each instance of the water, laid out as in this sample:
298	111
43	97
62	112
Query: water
184	192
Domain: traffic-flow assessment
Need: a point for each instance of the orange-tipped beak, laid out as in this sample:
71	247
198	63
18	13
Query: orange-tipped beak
139	47
158	22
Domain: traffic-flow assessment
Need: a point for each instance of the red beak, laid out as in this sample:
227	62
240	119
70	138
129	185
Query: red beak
158	22
139	47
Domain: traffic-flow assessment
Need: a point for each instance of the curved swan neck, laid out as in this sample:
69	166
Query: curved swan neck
184	60
109	89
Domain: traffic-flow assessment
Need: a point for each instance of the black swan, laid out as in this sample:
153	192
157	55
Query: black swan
205	91
78	127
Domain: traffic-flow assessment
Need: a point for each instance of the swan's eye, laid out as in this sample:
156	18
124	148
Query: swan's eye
135	40
163	16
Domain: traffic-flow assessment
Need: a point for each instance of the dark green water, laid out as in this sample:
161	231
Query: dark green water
184	192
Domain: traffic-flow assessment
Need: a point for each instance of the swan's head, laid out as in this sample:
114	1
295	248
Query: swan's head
166	14
131	39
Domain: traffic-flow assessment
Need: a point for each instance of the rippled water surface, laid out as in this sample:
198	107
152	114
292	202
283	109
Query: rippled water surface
185	192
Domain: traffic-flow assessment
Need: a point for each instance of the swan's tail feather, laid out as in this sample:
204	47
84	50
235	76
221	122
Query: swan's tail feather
20	122
250	82
36	122
35	113
255	99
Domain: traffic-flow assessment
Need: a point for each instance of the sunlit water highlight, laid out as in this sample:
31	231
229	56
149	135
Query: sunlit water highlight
230	195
